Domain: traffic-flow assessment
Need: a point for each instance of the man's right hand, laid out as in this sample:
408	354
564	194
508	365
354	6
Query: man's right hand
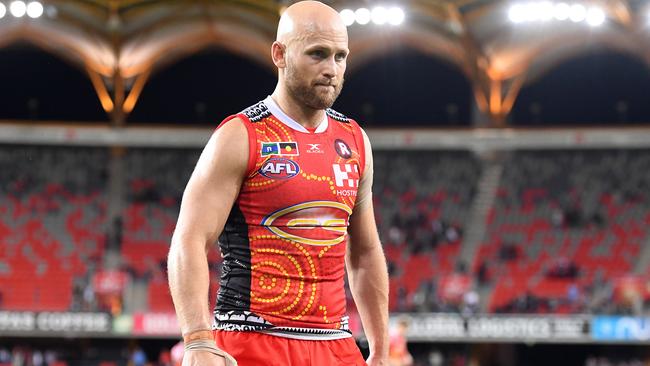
203	358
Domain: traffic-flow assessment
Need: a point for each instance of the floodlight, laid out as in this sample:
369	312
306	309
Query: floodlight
348	17
379	15
17	8
362	16
561	11
595	16
517	13
578	13
34	9
395	16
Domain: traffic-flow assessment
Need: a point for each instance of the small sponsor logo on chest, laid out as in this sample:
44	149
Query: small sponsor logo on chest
342	149
344	175
315	149
279	168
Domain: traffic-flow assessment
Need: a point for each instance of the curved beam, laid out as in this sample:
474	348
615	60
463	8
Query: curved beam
81	51
364	48
544	58
142	55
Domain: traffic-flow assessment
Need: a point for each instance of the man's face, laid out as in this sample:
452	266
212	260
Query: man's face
315	68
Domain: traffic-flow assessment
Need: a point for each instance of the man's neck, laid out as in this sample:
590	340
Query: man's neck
307	117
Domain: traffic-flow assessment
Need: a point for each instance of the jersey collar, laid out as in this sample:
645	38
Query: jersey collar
290	122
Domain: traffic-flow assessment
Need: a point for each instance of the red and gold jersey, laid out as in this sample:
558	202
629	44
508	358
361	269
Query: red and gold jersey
285	239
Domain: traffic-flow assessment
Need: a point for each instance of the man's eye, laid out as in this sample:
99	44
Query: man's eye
340	56
319	54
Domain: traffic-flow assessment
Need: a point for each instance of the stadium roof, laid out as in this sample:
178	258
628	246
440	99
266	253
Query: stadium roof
121	42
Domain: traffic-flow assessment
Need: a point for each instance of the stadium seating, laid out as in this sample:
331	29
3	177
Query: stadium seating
442	193
155	182
52	222
564	219
551	236
422	199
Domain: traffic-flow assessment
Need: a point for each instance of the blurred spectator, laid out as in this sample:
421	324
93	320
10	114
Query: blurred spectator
420	300
5	356
18	356
526	304
508	252
398	353
88	297
471	303
402	299
138	357
573	294
437	227
50	357
436	358
395	235
573	217
164	358
482	273
563	268
37	358
452	234
557	218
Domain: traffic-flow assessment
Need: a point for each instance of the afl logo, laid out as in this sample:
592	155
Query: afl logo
342	149
279	168
319	223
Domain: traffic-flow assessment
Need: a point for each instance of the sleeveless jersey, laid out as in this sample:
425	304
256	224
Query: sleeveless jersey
284	242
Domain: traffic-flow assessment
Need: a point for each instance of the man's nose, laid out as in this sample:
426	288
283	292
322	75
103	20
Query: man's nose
330	71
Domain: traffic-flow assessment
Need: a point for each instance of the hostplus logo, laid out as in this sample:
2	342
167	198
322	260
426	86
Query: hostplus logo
346	176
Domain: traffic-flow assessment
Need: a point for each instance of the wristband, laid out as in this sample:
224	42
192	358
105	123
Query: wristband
208	346
198	334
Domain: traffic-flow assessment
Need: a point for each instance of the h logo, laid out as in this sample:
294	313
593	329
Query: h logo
341	175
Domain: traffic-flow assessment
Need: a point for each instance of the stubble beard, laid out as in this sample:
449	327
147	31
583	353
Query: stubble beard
310	96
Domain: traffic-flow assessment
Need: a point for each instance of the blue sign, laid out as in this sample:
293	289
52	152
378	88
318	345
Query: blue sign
620	328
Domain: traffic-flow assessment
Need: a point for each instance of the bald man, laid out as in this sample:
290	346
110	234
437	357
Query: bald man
285	187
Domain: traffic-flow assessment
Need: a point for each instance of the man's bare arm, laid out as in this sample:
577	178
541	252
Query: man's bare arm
207	201
367	272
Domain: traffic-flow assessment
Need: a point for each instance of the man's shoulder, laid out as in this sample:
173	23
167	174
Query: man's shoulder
256	112
337	116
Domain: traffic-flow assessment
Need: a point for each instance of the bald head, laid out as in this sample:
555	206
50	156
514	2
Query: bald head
310	52
307	18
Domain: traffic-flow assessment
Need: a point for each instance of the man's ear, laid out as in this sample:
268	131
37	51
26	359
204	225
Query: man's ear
278	53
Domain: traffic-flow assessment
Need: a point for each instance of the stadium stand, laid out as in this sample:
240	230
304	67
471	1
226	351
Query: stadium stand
565	223
553	239
155	182
422	245
52	220
421	201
